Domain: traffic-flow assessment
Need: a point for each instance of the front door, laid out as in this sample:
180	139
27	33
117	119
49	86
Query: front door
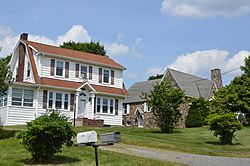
81	105
140	119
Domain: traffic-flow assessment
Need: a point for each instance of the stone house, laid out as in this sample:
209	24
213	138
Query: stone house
136	112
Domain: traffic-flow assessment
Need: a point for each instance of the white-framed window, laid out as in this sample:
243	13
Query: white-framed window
3	100
146	107
59	68
22	97
66	101
105	105
111	106
58	101
28	69
50	105
84	72
106	74
98	105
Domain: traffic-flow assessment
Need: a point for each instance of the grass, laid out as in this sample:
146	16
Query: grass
190	140
13	154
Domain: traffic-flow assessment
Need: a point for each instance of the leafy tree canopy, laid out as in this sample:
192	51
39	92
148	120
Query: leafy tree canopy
5	74
164	101
90	47
154	77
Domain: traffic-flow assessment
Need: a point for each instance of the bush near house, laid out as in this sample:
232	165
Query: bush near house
224	125
198	112
46	135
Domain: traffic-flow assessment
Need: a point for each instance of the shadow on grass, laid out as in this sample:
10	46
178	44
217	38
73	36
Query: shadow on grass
4	134
55	160
218	143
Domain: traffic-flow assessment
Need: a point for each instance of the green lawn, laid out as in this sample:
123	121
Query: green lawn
14	154
190	140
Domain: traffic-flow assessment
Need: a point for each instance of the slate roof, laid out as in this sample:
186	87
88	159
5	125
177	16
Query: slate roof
136	90
192	86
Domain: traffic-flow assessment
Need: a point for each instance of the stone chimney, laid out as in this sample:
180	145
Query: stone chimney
216	78
24	36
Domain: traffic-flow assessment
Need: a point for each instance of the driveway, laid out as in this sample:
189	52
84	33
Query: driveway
190	159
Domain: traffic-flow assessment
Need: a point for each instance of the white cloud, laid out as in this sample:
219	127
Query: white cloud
155	70
136	53
8	41
116	49
205	8
201	62
120	36
76	33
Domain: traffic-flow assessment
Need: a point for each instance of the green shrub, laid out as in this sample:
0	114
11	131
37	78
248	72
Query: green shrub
46	135
224	125
198	112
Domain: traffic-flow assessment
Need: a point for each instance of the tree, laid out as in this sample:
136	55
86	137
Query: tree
5	74
91	47
154	77
198	112
246	67
164	101
224	125
46	135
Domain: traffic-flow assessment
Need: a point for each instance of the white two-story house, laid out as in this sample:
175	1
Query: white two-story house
78	84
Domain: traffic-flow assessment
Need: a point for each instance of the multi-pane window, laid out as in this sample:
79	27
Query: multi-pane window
59	68
84	72
106	76
28	98
50	99
17	95
28	69
3	100
104	105
58	101
98	105
66	101
22	97
111	106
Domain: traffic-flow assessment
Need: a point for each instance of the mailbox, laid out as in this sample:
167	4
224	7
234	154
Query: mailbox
87	137
113	137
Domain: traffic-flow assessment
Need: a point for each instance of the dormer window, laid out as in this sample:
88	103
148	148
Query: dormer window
106	76
84	72
59	68
28	69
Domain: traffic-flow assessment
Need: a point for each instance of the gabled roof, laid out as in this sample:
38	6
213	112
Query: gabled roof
77	55
191	85
137	89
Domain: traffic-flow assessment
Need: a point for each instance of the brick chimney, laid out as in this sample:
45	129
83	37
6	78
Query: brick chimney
216	78
24	36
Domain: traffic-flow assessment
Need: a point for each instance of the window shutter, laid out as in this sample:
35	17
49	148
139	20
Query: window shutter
66	69
100	75
45	96
77	70
52	67
72	102
116	106
90	72
112	77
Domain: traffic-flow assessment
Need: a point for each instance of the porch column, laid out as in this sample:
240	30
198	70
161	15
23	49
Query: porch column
92	106
77	102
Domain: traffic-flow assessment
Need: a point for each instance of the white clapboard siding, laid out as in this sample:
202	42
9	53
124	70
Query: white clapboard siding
45	71
20	115
3	114
28	79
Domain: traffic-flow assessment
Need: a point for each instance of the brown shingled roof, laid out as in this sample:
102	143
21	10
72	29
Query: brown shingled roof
49	49
75	85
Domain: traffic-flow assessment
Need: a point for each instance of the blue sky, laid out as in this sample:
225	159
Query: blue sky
145	36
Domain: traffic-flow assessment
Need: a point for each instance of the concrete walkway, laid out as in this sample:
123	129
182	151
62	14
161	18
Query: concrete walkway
190	159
